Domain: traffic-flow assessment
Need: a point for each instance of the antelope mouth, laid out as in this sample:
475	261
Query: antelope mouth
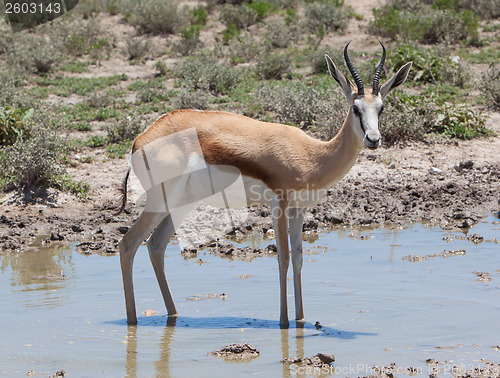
372	144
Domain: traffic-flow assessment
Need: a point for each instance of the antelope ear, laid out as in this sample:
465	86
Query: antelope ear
395	81
347	87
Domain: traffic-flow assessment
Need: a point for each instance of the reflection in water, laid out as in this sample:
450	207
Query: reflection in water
162	365
43	269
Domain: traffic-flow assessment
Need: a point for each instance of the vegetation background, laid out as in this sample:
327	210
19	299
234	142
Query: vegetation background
77	91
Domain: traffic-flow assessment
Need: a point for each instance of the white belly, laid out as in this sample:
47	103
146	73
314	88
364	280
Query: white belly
225	186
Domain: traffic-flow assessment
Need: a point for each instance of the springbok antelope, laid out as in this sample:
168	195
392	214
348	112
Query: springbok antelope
189	155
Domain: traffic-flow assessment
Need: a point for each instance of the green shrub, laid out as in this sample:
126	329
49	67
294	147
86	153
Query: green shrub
460	122
32	161
190	41
89	8
244	48
118	150
279	34
138	48
158	16
423	23
126	128
112	7
317	60
82	126
230	32
152	94
33	53
14	124
304	106
67	184
430	65
85	37
413	117
405	118
100	100
262	8
208	75
104	114
240	16
326	16
272	66
96	141
189	99
199	16
490	85
487	9
161	68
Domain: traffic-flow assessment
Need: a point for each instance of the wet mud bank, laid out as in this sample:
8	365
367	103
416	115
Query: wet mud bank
377	192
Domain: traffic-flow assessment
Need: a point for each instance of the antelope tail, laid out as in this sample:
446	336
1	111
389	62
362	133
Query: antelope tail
123	193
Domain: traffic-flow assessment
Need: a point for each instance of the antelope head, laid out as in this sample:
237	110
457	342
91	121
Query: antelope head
366	105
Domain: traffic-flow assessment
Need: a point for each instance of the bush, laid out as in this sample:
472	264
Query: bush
96	141
199	16
318	62
326	16
244	48
423	23
86	37
208	75
138	48
161	68
490	85
127	128
304	106
279	34
190	40
413	117
152	94
460	122
430	65
240	16
158	16
32	161
405	118
487	9
33	53
100	100
187	99
262	8
14	124
272	66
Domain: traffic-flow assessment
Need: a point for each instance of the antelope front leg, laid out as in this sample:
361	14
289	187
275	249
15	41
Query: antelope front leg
295	220
128	247
280	224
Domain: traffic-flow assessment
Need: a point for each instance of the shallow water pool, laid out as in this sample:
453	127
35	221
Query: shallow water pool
63	310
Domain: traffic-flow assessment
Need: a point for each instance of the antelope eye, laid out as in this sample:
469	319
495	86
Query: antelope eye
356	111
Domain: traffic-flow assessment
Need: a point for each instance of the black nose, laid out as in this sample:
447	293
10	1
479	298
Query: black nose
372	141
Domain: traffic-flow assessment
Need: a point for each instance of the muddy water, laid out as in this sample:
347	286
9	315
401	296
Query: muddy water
62	310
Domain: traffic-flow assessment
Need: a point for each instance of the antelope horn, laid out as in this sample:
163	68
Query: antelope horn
355	76
378	71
